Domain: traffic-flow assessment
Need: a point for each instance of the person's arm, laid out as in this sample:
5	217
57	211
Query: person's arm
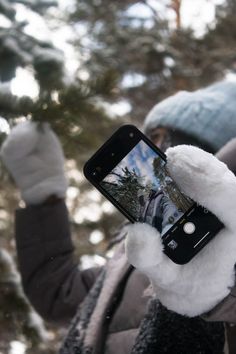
206	284
51	278
226	309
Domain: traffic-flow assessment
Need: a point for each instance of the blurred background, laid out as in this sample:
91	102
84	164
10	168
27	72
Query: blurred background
87	67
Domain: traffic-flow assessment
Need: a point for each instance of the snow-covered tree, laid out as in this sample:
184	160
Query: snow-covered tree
153	55
130	56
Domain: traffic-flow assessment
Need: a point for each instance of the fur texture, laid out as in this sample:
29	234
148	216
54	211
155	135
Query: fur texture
196	287
207	114
161	331
165	332
34	157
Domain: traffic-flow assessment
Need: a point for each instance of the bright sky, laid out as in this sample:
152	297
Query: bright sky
17	347
196	14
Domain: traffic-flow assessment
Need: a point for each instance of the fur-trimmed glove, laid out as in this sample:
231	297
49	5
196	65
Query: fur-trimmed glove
34	157
196	287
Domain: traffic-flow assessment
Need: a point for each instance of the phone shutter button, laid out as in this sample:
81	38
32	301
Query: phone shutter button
189	228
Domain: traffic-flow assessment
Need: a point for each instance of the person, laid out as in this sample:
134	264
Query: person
118	312
195	118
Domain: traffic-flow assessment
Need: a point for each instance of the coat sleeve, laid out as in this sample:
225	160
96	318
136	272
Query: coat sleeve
51	278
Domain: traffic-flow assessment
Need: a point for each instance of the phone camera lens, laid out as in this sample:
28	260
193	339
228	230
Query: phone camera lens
131	135
98	169
112	154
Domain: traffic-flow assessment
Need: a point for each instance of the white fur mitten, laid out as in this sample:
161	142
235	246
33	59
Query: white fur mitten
196	287
34	157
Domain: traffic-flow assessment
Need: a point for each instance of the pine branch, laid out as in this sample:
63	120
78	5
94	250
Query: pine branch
155	13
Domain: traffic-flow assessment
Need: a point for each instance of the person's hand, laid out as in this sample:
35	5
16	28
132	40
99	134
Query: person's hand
34	157
196	287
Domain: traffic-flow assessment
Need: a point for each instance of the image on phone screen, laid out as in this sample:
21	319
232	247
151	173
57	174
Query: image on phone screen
140	183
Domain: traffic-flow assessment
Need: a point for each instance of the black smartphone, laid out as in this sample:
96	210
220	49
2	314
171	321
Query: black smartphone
130	171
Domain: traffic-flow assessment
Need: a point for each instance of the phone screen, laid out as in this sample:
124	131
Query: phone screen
141	184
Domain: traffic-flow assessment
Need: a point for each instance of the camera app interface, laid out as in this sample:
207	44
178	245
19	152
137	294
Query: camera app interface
141	184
